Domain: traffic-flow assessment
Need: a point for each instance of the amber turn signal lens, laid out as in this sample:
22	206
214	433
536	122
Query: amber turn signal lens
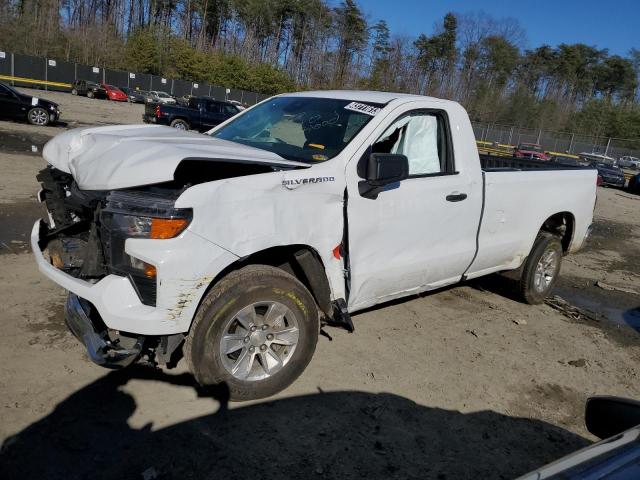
162	228
150	270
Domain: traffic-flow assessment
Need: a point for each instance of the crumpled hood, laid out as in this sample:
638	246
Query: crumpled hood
124	156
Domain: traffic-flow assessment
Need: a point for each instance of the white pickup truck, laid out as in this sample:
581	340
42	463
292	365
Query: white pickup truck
232	248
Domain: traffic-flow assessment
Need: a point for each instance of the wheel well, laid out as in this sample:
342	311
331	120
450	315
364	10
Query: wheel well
301	261
561	224
179	118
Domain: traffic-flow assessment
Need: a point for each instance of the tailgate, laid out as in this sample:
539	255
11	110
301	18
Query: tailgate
150	109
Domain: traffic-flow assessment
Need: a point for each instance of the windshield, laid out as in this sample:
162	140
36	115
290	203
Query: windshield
9	88
300	128
163	95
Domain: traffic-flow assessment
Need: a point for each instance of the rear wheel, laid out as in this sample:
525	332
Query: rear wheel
541	269
74	91
180	124
256	331
38	116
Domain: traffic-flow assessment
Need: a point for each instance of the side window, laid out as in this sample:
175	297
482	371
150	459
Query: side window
4	92
212	107
423	138
230	110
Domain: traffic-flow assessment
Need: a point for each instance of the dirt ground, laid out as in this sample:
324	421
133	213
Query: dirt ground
462	383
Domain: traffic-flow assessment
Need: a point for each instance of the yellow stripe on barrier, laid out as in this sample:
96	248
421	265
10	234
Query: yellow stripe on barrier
30	80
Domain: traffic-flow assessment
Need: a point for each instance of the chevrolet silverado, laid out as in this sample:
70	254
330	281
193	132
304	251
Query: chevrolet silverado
233	248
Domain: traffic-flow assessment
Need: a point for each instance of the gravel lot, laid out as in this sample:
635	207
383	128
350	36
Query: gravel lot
461	383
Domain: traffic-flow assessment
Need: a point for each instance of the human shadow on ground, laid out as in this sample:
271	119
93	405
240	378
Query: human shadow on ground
339	435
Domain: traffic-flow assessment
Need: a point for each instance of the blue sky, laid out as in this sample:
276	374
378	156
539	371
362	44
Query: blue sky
606	24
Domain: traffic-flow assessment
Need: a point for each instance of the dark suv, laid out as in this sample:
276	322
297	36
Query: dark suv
88	88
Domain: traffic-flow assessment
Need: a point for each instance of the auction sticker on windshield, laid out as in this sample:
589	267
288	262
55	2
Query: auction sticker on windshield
362	108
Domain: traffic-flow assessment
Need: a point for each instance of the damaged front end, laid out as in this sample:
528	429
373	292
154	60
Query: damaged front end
84	237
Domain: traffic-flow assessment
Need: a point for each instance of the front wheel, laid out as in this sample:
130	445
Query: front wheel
38	116
90	94
74	91
256	331
541	269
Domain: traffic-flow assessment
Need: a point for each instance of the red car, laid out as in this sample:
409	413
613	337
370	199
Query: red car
530	150
114	93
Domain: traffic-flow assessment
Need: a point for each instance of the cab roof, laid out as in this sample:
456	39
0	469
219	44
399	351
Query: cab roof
359	95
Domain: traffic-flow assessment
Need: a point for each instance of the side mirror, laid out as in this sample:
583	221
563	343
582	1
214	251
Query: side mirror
608	416
380	170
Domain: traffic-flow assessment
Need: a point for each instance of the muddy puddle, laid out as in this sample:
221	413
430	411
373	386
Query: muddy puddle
16	222
618	308
16	142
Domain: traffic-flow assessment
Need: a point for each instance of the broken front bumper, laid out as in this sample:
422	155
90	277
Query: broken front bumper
113	296
181	283
101	351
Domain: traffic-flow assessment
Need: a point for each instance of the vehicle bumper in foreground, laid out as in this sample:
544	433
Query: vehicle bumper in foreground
113	296
100	350
115	299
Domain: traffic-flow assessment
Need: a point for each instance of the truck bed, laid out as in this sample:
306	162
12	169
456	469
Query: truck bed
494	163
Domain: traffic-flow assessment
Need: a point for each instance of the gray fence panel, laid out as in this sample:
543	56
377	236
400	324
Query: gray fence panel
142	81
181	88
61	72
158	84
116	77
199	89
218	93
85	72
29	67
5	63
235	95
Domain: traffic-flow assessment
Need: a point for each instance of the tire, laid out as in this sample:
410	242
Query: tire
90	94
38	116
270	293
541	269
180	124
74	91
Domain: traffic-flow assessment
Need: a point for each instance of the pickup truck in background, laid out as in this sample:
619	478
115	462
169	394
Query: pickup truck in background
232	248
200	113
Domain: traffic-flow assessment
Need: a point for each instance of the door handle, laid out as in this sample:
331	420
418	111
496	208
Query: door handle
456	197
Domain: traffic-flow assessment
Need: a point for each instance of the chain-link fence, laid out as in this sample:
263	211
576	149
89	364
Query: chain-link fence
557	141
58	75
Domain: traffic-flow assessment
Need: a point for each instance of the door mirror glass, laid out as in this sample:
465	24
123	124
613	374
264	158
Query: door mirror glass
380	170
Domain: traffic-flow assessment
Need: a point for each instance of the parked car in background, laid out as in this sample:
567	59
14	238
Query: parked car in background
201	113
611	175
629	162
155	96
114	93
135	96
530	150
597	158
34	110
565	159
88	89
